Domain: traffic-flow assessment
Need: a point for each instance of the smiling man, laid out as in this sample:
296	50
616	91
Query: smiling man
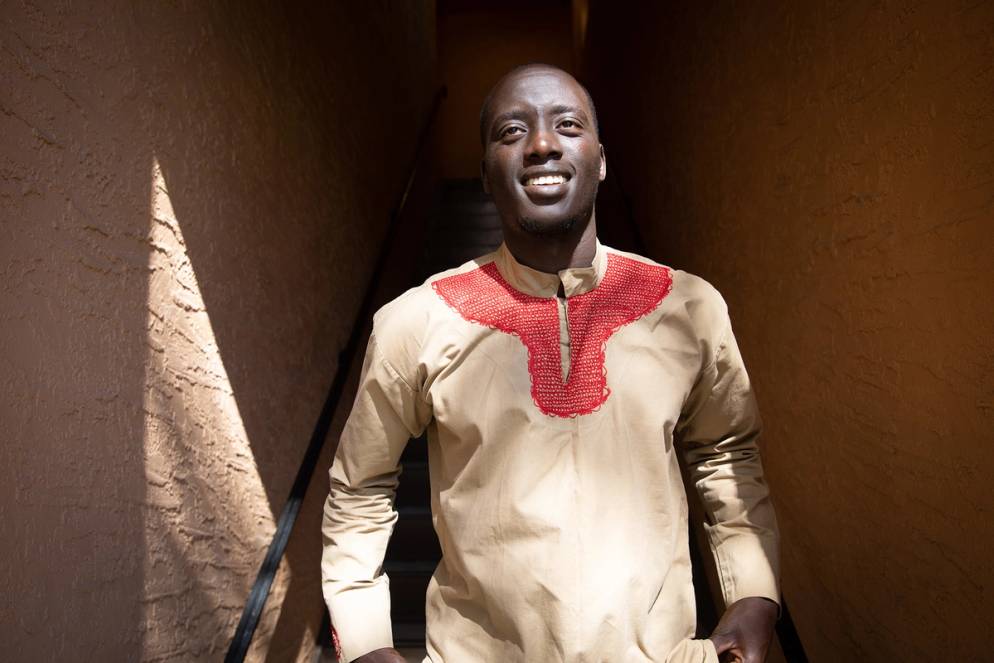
558	380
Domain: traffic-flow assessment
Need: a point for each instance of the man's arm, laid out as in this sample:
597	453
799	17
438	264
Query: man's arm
359	515
718	433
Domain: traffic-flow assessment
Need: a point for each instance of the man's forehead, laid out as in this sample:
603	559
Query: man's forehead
539	87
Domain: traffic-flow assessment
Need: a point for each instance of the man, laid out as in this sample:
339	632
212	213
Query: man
557	379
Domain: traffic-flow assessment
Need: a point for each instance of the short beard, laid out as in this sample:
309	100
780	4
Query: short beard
535	227
556	228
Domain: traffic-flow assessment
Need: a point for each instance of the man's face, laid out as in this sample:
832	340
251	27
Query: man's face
542	159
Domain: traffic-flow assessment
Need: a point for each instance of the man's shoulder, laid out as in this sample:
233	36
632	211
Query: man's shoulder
412	312
687	289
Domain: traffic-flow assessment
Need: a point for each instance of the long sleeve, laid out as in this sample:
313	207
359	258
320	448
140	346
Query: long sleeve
359	513
717	432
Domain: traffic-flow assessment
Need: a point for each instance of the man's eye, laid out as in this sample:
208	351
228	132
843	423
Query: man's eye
510	130
568	124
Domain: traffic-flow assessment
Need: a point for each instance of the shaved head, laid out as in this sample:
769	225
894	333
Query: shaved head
485	113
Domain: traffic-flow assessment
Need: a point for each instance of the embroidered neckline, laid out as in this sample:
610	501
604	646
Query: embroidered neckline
572	280
629	290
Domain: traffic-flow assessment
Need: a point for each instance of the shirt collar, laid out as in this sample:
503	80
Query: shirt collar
575	280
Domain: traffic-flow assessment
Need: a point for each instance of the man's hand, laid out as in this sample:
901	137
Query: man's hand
744	632
385	655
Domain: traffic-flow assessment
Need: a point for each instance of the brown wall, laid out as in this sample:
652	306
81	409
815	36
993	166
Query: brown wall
478	42
190	198
830	168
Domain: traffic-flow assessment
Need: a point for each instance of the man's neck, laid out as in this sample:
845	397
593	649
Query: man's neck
552	253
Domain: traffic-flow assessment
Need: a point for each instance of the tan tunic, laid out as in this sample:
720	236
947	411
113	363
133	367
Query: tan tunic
558	504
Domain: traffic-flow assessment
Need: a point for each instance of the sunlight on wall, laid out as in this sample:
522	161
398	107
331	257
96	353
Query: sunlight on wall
207	517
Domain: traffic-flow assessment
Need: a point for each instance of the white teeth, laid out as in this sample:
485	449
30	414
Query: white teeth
545	179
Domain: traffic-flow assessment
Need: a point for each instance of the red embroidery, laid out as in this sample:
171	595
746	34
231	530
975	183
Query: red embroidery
628	290
338	645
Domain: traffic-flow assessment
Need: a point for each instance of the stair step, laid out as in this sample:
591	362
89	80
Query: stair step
418	567
408	586
414	539
469	248
466	214
461	190
408	634
416	451
479	237
414	489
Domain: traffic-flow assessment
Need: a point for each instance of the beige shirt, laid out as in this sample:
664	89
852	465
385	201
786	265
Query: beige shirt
558	504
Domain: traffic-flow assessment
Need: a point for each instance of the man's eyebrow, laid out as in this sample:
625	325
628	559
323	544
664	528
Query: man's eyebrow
516	114
561	109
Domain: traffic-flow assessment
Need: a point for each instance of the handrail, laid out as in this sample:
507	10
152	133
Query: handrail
288	516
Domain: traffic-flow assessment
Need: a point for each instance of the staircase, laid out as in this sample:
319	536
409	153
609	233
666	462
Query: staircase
464	226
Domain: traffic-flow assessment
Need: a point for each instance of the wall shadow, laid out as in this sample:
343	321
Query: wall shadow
74	205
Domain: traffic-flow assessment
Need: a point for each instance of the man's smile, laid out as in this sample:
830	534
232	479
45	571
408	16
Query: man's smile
545	186
545	180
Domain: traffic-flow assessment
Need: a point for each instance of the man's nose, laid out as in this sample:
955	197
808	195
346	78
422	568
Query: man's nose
544	145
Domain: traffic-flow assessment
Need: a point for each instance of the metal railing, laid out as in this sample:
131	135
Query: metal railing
288	516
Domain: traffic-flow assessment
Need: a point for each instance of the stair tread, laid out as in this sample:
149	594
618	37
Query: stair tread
415	511
410	568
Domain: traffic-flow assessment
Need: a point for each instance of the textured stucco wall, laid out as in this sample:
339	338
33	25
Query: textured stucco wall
830	168
190	196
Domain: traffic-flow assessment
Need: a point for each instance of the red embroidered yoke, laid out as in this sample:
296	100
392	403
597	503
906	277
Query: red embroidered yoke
628	290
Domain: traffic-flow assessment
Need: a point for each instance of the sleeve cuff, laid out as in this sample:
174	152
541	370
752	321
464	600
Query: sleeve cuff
747	565
361	618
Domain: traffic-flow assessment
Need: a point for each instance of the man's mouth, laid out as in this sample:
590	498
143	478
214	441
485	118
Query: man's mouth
544	187
545	180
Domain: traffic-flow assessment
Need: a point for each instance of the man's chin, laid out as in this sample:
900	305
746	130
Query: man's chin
547	227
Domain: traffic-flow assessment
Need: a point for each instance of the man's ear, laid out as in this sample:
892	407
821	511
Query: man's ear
483	176
603	170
